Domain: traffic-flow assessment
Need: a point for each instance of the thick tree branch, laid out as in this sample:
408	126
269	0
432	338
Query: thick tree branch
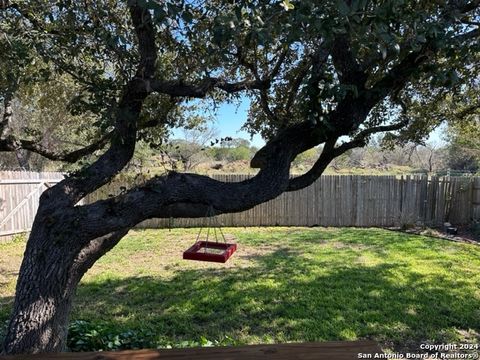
300	137
178	88
69	191
302	72
191	195
361	138
278	64
381	128
91	252
330	152
309	62
264	96
184	195
143	23
316	170
399	75
265	105
11	143
6	116
348	69
242	60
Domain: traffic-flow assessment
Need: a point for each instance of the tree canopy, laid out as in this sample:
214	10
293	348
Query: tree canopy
330	73
297	61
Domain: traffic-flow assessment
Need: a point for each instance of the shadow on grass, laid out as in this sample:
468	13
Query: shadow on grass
283	297
305	285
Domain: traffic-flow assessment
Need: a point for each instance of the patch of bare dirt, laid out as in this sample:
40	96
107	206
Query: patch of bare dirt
464	235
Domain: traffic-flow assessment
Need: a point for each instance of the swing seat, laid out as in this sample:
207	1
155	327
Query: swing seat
199	251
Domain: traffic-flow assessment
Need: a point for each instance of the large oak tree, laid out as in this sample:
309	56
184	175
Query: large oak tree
330	72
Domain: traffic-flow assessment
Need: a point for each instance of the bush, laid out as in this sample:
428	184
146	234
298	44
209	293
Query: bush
85	336
231	153
307	158
240	153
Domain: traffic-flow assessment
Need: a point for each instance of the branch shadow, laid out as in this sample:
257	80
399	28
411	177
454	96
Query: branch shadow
286	297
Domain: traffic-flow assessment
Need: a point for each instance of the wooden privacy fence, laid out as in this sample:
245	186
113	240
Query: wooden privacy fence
19	195
331	201
350	200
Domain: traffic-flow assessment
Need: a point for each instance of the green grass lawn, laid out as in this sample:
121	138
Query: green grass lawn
282	285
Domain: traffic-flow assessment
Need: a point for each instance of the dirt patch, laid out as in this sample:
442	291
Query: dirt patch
464	234
470	336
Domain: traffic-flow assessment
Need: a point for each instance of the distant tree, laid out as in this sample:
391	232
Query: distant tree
40	115
464	144
460	111
343	161
232	149
240	153
185	154
235	142
431	157
307	158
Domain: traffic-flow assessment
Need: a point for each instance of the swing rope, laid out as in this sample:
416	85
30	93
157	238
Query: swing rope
211	223
219	252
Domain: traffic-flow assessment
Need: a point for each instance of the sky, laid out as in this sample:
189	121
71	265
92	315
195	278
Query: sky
228	121
231	117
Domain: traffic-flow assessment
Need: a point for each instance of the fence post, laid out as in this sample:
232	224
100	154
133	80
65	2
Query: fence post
331	201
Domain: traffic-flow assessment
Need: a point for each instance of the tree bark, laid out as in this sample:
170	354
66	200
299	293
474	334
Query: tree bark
53	264
43	300
57	254
39	321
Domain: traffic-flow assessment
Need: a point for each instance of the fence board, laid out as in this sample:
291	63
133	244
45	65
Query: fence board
476	198
347	200
19	194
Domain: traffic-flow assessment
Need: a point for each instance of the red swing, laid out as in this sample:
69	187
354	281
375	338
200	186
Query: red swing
209	250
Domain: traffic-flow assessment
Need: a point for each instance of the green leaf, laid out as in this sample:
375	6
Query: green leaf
421	39
343	8
287	5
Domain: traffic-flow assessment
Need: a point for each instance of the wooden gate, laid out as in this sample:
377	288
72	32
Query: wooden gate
19	195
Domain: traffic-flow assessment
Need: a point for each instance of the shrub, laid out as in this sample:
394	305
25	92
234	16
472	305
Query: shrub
86	336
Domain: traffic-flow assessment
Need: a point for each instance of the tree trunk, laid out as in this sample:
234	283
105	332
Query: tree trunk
45	289
55	260
39	320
